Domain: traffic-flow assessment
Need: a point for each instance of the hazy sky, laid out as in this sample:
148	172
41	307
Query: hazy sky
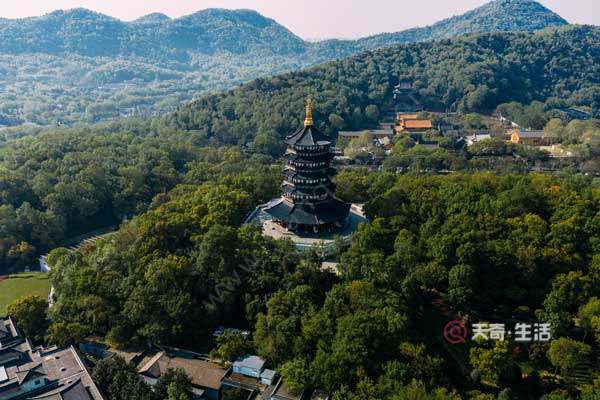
306	18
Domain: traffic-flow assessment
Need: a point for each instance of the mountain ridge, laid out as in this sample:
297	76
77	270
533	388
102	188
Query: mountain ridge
83	31
82	66
508	7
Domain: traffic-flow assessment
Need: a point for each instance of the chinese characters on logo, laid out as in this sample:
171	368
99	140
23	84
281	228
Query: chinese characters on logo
522	332
456	332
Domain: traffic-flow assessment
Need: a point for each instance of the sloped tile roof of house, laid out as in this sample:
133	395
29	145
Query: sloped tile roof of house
406	116
202	373
418	124
61	366
531	134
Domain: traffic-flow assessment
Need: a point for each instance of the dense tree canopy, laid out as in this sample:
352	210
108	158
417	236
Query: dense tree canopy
69	182
485	244
81	66
175	273
476	73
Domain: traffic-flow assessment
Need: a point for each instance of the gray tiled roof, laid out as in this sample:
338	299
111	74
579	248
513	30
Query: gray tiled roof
308	136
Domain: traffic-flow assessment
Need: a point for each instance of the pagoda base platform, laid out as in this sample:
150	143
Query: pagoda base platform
322	242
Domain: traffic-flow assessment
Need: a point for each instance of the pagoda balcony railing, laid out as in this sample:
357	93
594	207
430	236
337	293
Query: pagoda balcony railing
310	154
289	167
307	197
324	171
308	164
290	186
300	198
310	148
306	182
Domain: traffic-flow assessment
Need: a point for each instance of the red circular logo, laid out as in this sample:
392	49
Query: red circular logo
455	332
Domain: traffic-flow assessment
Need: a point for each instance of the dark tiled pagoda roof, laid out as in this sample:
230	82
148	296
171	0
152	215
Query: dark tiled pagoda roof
308	136
308	214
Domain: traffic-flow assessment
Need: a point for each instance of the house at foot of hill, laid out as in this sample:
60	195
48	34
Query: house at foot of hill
308	212
38	373
530	138
246	379
410	123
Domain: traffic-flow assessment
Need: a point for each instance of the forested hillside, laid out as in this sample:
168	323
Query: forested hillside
483	245
77	65
69	181
473	73
87	33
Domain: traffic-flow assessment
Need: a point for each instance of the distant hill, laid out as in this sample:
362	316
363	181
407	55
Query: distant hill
88	33
78	65
154	18
468	73
495	16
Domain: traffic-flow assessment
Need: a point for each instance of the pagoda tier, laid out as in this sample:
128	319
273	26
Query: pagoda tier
308	202
309	162
299	193
307	178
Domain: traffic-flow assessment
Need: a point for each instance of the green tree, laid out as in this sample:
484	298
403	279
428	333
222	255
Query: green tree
29	314
461	284
491	362
278	335
173	384
554	129
336	121
589	317
569	292
230	345
66	333
296	375
474	121
267	144
568	354
372	112
119	380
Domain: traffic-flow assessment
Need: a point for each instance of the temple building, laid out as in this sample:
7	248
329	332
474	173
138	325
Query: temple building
308	211
308	203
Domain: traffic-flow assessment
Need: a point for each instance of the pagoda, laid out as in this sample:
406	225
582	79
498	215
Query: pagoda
308	203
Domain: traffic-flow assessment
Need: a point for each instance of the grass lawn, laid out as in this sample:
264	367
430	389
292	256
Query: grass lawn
21	285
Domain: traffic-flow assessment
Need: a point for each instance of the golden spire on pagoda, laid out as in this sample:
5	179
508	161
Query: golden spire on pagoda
309	112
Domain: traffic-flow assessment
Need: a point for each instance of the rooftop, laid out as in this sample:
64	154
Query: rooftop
417	124
530	134
308	136
282	392
372	132
324	241
60	369
202	373
405	116
268	374
276	231
8	330
253	362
